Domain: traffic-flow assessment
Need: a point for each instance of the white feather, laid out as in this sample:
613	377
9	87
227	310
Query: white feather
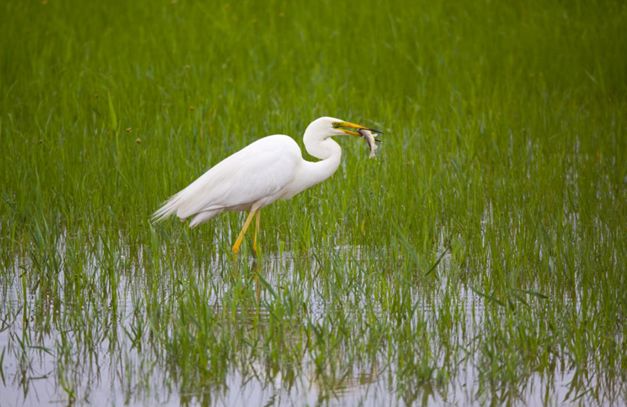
256	174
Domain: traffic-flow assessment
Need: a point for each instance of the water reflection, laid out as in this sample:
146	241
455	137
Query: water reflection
281	329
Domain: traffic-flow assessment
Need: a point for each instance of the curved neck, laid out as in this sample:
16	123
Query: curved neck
329	153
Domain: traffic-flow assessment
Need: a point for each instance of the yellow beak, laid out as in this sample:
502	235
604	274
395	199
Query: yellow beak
343	126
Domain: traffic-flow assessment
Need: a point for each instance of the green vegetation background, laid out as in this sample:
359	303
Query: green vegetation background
505	140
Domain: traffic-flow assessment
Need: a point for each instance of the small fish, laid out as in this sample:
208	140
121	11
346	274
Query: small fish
370	136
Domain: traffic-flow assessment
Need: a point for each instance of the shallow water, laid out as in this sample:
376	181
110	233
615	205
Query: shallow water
43	365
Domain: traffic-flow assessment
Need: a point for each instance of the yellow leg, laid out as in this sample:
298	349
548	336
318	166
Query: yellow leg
242	232
256	231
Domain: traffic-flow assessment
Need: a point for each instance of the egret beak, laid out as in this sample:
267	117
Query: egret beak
343	126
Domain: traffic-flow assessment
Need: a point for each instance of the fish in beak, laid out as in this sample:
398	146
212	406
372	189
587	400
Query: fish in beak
370	135
371	139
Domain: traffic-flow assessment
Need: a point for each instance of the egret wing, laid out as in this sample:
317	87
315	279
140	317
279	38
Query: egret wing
257	173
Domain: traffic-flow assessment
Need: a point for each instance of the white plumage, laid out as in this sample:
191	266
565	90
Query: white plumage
268	169
257	173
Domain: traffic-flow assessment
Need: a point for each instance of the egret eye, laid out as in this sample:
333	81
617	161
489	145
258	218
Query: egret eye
336	125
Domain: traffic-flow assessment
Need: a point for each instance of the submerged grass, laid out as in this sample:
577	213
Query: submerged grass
480	254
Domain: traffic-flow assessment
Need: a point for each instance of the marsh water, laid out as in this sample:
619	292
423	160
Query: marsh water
106	352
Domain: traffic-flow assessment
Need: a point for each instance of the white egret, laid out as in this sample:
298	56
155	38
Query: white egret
268	169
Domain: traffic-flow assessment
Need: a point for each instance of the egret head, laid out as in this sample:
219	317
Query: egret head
330	126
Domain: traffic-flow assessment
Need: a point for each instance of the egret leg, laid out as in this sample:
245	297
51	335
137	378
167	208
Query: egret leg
242	232
257	217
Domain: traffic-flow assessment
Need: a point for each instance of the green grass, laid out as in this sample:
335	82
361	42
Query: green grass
488	234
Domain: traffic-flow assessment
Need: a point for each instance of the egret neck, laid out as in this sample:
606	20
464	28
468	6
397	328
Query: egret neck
329	153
